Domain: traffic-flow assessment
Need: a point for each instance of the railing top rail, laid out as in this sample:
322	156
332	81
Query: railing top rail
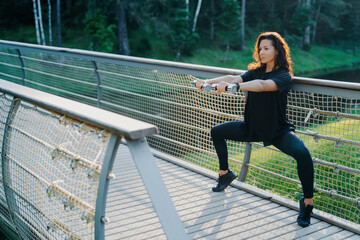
202	68
122	125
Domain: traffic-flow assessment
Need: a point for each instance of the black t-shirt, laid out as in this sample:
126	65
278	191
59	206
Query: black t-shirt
265	112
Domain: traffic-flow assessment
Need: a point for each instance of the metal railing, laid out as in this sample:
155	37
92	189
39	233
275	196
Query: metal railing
56	164
326	114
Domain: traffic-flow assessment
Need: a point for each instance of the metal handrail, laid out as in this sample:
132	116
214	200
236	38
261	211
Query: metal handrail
118	127
121	125
313	87
161	63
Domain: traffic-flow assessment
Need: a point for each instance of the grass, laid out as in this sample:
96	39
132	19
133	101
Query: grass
320	59
314	62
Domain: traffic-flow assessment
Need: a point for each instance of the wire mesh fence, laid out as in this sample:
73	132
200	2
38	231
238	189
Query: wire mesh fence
5	217
50	171
329	124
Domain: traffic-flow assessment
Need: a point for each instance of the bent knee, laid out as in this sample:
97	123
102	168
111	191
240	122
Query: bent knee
215	132
303	155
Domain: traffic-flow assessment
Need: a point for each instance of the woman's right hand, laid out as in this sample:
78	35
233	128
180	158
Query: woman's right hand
199	83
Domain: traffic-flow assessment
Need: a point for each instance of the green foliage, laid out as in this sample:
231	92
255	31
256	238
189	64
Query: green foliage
142	46
101	34
212	57
162	28
21	34
333	14
318	60
229	22
230	18
181	37
274	22
321	59
180	28
300	20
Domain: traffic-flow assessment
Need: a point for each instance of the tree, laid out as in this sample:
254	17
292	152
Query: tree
36	22
316	20
229	22
212	21
122	27
273	22
356	29
49	22
41	23
306	43
330	22
299	21
179	30
149	26
99	32
68	6
196	15
58	22
243	4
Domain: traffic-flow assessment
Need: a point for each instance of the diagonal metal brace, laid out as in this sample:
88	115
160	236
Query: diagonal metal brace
155	186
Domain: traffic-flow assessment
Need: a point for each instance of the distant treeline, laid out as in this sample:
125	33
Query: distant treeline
131	27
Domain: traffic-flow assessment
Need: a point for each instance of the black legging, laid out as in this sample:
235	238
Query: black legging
288	143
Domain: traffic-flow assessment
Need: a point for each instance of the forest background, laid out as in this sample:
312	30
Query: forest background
323	35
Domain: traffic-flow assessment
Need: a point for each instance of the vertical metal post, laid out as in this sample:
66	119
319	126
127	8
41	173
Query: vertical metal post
22	67
244	168
12	207
155	186
103	186
98	82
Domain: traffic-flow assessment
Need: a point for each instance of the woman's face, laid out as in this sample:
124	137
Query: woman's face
267	51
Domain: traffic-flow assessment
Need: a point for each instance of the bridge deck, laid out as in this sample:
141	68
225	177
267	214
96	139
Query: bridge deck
233	214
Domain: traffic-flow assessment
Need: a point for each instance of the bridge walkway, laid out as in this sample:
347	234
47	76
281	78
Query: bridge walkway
233	214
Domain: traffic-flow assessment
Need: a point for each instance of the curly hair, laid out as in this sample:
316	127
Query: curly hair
282	60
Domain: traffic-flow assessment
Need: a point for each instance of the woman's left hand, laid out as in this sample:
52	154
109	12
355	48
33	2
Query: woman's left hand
221	87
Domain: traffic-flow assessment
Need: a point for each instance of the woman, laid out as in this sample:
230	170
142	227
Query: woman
268	83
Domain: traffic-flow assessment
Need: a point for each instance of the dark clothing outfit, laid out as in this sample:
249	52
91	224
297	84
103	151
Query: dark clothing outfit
266	121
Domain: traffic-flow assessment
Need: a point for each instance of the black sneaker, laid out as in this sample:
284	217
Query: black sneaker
224	181
305	214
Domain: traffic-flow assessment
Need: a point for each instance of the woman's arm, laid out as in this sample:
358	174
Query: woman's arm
230	79
259	85
256	85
